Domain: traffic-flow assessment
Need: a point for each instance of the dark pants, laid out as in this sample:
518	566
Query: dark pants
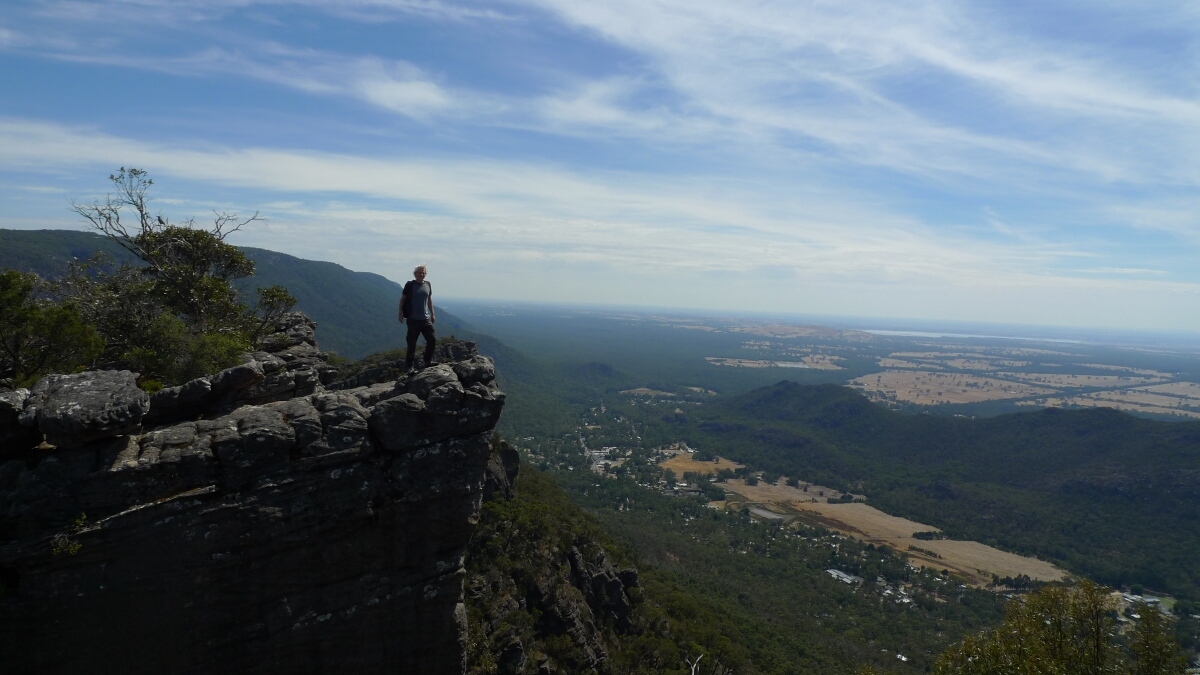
417	327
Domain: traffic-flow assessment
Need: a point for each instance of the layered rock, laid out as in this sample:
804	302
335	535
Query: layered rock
250	521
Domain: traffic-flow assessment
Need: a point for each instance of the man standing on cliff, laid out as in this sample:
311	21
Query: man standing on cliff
416	305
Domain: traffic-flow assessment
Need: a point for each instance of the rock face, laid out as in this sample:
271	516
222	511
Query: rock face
256	522
544	594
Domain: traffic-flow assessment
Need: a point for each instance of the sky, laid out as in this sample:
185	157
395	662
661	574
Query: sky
1008	161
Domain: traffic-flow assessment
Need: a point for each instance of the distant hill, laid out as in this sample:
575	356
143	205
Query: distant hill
47	253
1107	494
355	311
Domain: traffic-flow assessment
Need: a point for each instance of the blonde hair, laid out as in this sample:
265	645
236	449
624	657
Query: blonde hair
420	268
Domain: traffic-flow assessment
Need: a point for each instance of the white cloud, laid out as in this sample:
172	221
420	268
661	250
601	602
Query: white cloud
831	82
623	218
836	73
399	87
815	138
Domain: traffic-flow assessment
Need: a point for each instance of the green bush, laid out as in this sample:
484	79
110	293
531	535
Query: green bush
38	336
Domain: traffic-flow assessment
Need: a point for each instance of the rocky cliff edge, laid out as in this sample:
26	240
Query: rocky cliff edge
265	519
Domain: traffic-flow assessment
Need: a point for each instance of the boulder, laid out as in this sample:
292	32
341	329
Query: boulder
424	381
292	329
239	377
476	369
71	410
172	403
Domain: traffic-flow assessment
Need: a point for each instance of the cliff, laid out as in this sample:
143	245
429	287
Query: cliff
547	590
265	519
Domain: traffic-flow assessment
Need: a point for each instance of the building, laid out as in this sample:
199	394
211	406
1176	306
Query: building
845	578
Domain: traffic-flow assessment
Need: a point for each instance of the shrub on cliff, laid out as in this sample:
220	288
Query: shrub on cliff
177	315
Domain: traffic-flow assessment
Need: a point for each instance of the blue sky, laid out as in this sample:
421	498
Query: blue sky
1013	162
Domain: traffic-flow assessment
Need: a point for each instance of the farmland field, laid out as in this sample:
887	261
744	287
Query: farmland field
926	388
975	561
1060	380
1126	400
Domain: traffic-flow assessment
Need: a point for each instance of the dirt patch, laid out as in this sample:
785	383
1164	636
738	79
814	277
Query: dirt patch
981	561
686	463
929	388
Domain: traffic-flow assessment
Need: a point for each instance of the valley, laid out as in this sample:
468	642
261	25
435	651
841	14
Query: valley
825	498
1065	492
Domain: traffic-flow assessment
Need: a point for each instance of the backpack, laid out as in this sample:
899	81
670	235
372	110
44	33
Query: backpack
406	308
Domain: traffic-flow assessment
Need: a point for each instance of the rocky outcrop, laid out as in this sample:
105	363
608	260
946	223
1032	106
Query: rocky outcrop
70	410
501	478
296	367
250	521
543	592
604	586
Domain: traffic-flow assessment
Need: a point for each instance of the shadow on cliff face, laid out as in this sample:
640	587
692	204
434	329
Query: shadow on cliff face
270	518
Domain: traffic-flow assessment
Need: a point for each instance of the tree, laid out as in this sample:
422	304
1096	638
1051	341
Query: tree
1060	631
192	270
177	315
39	336
1152	645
